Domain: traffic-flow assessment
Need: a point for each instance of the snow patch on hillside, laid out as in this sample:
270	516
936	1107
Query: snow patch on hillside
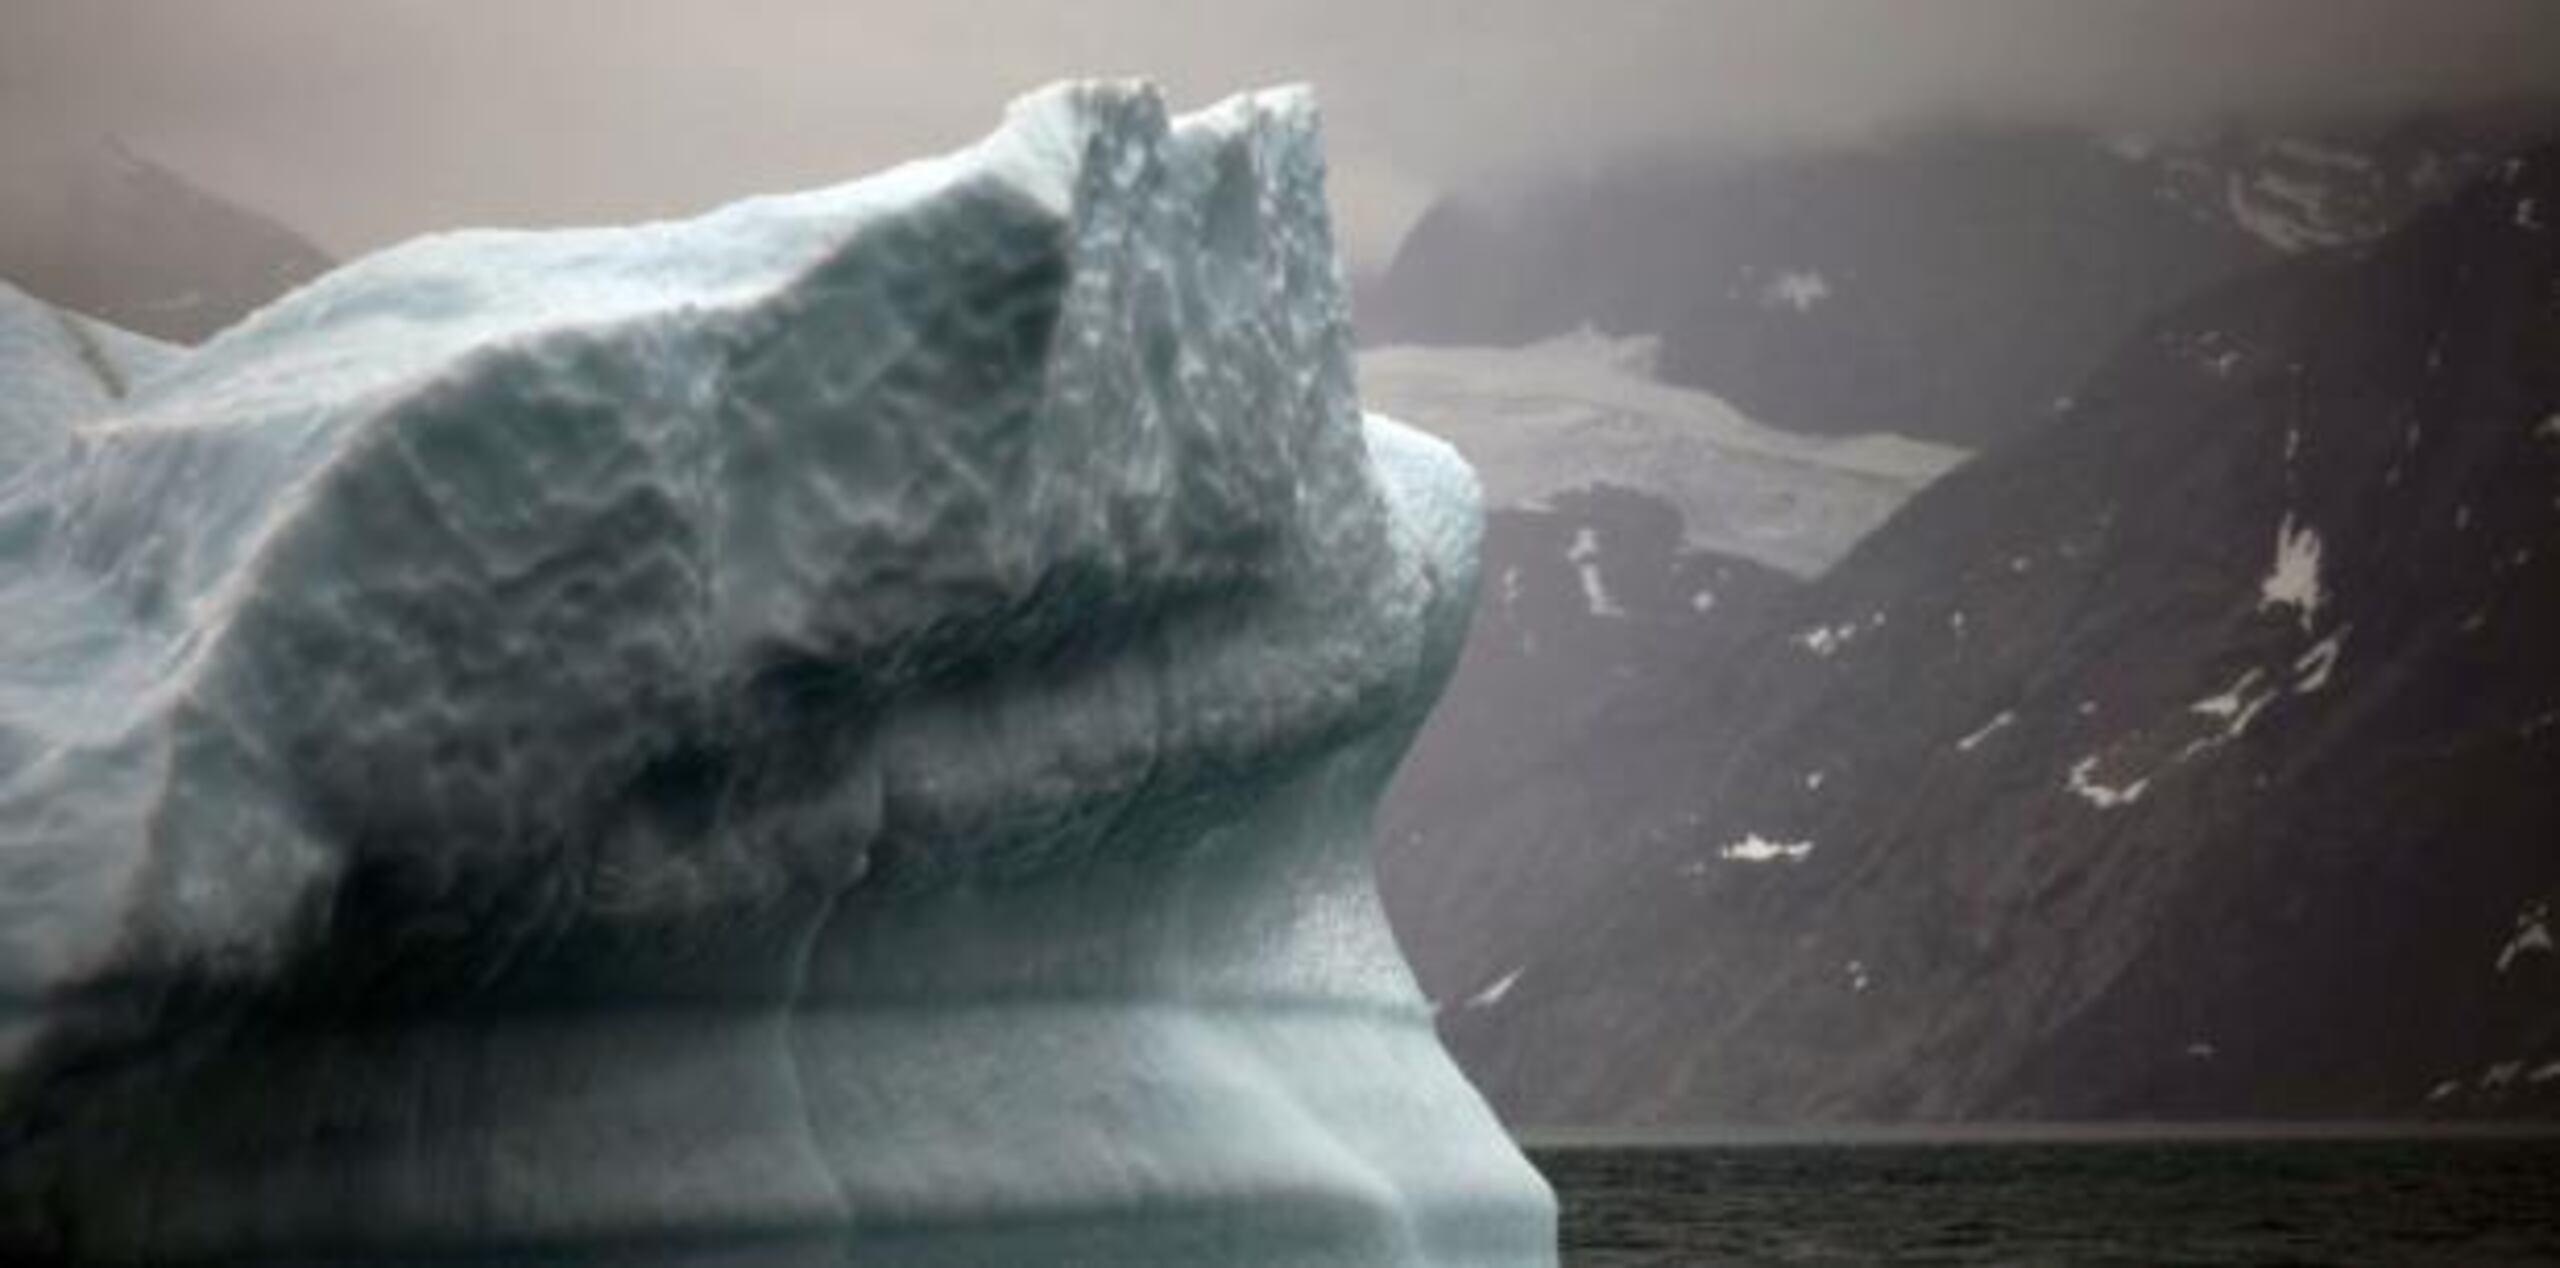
1493	993
1755	848
1584	555
2083	781
2236	706
1825	640
2313	668
2293	580
1998	723
2532	935
1799	290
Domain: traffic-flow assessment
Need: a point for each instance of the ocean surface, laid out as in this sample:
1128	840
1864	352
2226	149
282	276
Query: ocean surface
2478	1202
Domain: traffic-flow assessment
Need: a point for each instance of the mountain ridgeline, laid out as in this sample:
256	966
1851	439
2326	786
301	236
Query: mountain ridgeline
125	240
1950	285
2189	754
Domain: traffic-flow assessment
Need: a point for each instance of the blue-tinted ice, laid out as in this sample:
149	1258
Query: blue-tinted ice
839	730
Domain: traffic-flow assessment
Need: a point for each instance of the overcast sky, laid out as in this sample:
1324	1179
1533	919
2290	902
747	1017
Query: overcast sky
364	121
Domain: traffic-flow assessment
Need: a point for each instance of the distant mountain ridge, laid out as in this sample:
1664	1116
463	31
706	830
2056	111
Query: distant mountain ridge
134	244
1951	286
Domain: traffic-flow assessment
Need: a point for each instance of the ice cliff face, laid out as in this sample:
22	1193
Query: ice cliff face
841	729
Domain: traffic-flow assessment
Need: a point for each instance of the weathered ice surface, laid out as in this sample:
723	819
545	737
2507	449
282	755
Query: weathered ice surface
841	730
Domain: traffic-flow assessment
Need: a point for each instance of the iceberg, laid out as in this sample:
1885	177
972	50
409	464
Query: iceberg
840	730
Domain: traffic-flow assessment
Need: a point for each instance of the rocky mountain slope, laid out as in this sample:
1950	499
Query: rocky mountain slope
2190	756
128	241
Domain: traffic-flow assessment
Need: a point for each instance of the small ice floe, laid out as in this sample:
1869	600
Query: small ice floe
1702	601
2444	1090
1492	994
1584	555
1755	848
1813	780
2020	564
2293	580
2528	215
2502	1074
1999	722
2532	935
1510	587
2538	723
1856	972
2087	709
2462	518
1824	640
2292	444
2201	1050
2550	428
1799	289
2311	670
1955	622
2544	1073
2104	796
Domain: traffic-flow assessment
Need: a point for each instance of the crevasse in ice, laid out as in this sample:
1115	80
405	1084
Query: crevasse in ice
840	730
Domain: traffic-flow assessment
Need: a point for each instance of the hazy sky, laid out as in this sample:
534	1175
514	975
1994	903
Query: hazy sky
363	121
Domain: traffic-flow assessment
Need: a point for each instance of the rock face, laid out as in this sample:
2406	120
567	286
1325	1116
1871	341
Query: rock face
841	730
111	234
2189	758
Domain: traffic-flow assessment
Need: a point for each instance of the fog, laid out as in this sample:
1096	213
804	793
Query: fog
363	121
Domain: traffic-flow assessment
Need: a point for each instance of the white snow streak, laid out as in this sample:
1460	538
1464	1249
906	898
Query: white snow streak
2533	933
2237	706
2312	668
1998	723
2293	581
1492	995
1799	290
1755	848
1823	640
1584	555
2103	796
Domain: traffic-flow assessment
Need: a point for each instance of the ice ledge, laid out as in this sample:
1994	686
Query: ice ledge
842	727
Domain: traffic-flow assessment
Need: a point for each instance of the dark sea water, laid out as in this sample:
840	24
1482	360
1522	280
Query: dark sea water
2439	1201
